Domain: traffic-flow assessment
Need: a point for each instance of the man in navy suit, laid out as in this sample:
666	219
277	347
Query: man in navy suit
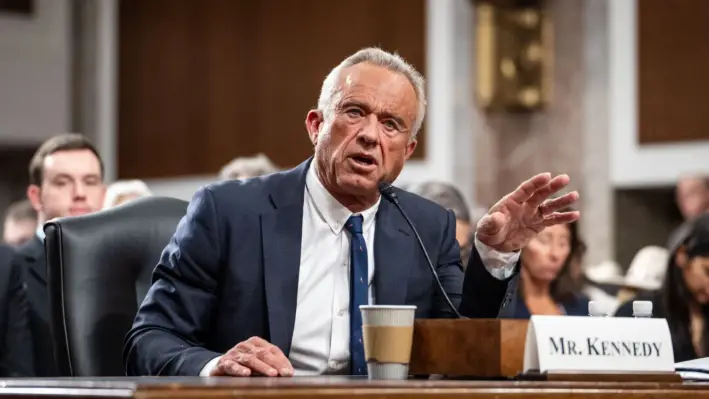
264	276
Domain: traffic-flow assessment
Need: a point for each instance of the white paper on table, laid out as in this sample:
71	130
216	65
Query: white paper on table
696	369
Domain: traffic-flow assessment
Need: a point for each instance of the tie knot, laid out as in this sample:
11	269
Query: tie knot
354	224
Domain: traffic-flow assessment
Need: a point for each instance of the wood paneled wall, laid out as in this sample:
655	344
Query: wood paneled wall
673	70
201	82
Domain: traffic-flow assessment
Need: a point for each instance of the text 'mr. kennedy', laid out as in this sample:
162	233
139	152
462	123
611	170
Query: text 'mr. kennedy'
594	346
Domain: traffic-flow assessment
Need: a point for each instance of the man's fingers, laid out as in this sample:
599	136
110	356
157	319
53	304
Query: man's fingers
560	218
555	185
491	224
255	364
260	356
526	190
278	360
257	342
230	367
557	204
244	346
272	356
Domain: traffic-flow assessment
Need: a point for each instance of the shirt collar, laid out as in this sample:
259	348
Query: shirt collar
329	209
40	232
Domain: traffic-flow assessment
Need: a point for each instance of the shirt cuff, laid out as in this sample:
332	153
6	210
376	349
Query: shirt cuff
207	369
500	265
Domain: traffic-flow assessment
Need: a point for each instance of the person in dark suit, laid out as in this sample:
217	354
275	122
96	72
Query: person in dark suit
66	179
266	275
16	350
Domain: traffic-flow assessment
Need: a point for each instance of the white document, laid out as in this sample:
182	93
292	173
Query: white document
697	369
598	344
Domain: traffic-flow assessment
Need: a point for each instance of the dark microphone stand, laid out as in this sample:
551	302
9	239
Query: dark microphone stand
388	192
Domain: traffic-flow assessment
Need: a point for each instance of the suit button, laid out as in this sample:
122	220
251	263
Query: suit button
341	313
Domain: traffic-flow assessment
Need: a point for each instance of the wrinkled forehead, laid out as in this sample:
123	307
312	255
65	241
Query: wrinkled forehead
379	85
73	163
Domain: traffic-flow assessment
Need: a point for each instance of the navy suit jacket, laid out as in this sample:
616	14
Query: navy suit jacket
15	336
31	259
230	272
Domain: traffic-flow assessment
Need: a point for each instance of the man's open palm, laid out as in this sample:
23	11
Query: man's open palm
521	215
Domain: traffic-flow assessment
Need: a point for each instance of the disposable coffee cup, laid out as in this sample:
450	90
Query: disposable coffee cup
388	332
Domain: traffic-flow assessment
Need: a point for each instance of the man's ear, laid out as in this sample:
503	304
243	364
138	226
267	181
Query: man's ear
313	123
410	147
34	193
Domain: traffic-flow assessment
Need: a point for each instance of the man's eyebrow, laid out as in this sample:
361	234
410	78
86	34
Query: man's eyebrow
357	103
62	176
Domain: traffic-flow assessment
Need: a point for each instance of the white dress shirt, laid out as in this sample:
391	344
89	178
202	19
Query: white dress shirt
321	334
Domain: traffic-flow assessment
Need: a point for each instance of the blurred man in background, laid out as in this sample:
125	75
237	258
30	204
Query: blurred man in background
20	223
692	196
245	167
66	179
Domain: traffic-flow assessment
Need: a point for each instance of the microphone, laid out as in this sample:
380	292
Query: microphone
387	190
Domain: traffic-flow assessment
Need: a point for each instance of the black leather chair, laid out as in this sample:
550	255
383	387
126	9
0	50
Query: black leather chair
99	268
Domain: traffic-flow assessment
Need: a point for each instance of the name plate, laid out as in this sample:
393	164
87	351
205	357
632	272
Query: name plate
598	344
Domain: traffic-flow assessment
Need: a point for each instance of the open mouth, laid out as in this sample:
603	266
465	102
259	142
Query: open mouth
363	160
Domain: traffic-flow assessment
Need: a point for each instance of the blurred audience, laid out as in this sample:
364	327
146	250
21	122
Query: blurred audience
20	223
66	179
601	283
647	272
121	192
246	167
449	197
692	196
684	297
547	283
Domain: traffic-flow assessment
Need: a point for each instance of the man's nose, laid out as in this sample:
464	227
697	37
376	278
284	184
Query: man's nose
79	190
369	133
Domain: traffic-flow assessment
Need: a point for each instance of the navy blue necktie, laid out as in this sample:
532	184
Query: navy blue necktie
358	293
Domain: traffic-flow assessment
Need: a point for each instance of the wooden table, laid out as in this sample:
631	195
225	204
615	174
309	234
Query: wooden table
335	387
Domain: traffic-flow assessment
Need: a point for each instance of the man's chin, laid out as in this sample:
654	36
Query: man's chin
359	184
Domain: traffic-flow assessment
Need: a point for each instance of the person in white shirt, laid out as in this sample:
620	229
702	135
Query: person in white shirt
264	276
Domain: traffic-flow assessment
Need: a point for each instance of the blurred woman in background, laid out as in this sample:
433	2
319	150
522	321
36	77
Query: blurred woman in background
684	297
549	282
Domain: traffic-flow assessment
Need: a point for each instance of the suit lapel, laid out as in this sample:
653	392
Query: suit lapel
281	232
33	255
394	253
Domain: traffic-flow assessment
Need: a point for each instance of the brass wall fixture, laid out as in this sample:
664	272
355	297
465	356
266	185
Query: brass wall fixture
514	54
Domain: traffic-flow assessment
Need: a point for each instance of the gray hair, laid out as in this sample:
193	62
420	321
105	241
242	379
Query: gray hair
245	167
122	188
381	58
445	195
